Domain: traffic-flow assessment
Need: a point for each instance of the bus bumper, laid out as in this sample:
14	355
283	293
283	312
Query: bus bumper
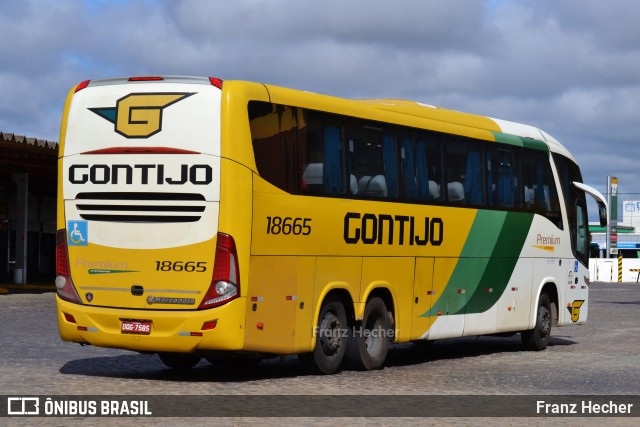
171	330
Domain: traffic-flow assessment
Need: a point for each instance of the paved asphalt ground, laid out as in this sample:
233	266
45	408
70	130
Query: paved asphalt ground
601	357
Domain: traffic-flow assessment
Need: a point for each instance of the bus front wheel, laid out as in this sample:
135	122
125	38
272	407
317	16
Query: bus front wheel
369	344
331	340
537	338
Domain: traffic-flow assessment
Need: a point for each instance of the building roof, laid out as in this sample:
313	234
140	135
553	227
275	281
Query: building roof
7	137
19	153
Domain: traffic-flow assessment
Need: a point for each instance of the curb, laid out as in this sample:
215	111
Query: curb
25	289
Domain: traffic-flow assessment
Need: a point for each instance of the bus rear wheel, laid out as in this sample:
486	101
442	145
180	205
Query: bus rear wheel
537	338
331	341
369	344
182	361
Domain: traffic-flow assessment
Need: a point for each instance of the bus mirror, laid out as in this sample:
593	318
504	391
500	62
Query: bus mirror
602	213
599	198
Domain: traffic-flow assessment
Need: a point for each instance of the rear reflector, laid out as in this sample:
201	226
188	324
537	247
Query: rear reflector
216	82
82	85
207	326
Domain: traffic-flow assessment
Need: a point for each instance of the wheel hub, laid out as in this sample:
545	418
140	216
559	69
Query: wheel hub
330	334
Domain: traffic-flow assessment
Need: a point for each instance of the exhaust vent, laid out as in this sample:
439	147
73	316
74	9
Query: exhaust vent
140	207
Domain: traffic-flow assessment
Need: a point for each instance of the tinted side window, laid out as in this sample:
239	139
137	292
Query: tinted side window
464	170
569	172
373	160
503	171
580	236
311	152
299	151
421	165
322	154
274	132
539	188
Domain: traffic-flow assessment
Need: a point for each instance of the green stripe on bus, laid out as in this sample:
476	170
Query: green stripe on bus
534	144
487	261
483	234
505	138
473	260
503	261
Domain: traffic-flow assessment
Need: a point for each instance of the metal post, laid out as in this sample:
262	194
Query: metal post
22	210
612	228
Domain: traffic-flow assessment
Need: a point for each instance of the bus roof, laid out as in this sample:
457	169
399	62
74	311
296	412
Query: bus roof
466	119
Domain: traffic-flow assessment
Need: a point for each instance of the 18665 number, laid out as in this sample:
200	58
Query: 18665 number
295	226
188	266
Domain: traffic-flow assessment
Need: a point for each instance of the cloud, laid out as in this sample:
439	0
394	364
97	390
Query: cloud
570	67
280	23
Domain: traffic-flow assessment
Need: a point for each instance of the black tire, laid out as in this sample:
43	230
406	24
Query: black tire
182	361
537	338
331	339
369	344
423	343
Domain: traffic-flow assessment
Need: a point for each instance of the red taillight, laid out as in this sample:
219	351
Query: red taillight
62	257
225	283
64	285
82	85
146	79
216	82
226	265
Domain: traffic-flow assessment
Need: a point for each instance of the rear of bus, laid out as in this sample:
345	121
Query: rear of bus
141	263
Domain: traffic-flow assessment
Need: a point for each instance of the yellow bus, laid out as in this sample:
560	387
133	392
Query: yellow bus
201	218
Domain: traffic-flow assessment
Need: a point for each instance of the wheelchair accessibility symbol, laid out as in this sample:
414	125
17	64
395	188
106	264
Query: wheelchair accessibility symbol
78	233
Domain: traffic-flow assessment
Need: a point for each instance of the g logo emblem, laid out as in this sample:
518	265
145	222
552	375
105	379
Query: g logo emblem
575	310
139	115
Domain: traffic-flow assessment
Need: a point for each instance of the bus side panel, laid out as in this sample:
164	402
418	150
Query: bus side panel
578	296
283	304
235	217
514	306
575	308
337	273
304	329
549	271
396	275
422	298
60	222
445	325
272	301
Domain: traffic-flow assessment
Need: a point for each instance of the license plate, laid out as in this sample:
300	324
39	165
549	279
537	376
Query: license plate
135	327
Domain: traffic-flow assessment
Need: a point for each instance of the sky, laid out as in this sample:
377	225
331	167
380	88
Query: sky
569	67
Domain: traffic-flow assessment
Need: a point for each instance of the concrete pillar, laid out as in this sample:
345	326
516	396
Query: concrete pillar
22	187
